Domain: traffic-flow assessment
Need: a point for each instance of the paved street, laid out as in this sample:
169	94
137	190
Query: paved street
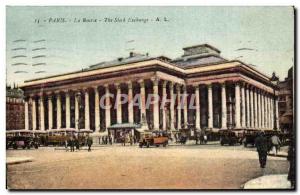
173	167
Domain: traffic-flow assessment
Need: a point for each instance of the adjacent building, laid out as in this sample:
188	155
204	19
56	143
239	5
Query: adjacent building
285	102
15	113
228	94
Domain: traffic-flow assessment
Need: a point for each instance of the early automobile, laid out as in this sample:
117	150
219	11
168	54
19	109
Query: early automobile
228	137
21	139
154	138
249	137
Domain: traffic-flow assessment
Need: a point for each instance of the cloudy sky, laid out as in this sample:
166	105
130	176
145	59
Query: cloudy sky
262	36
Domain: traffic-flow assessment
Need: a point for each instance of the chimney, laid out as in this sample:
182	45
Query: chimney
203	49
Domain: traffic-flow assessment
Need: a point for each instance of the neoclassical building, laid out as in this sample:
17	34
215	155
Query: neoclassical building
229	94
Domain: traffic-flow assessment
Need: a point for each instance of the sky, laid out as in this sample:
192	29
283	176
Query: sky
261	36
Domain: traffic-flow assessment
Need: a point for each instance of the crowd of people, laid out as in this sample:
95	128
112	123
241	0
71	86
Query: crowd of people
75	143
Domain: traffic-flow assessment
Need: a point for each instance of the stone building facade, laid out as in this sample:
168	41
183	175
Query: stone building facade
15	113
285	101
228	94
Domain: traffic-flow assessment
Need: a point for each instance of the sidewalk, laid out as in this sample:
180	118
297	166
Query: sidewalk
17	160
268	182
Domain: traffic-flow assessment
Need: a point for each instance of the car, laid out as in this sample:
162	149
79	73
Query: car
228	137
249	137
153	138
21	139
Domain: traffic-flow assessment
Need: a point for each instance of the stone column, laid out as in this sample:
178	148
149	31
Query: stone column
248	107
277	114
185	107
143	100
267	111
259	109
262	110
237	106
130	103
178	107
50	112
107	107
68	109
26	115
172	105
251	108
42	113
164	94
272	112
255	109
224	106
33	113
210	106
156	104
77	96
58	110
119	105
243	113
197	94
86	109
97	110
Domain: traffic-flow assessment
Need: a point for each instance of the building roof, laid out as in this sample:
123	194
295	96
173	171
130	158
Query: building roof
133	57
198	60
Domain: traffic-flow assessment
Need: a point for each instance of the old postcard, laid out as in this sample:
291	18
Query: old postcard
145	98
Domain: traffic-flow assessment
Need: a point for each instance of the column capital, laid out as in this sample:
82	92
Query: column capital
129	84
95	88
209	85
165	83
57	92
223	84
196	86
141	82
178	86
41	94
49	96
155	80
117	85
171	85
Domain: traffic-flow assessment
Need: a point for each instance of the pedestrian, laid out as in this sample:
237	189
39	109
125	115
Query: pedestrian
275	144
130	139
261	144
72	144
205	138
106	140
89	143
124	139
291	159
76	143
66	145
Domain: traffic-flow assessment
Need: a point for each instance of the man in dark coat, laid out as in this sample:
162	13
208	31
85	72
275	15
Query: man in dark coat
261	144
89	143
291	159
71	143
